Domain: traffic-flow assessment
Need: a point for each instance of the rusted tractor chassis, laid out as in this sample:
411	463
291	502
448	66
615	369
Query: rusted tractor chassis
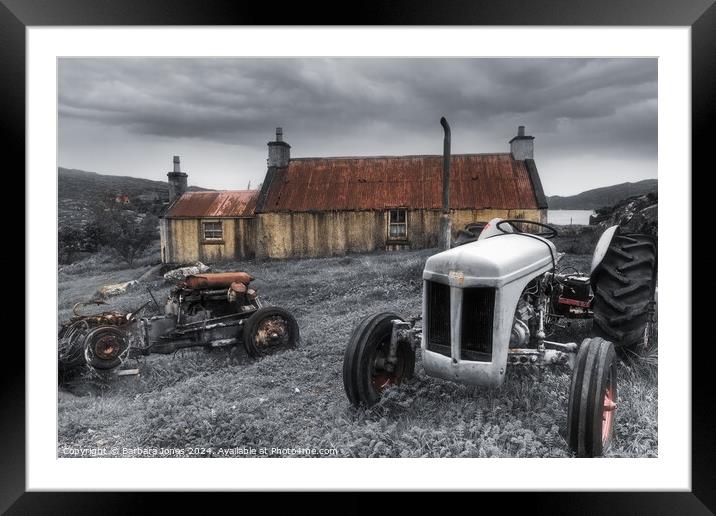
207	310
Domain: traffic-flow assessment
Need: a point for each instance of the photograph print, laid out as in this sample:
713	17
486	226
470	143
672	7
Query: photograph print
357	257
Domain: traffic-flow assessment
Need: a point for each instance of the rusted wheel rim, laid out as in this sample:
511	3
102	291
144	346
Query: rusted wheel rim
107	347
274	331
382	380
380	377
610	406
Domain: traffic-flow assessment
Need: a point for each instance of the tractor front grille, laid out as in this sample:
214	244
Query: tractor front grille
437	317
478	307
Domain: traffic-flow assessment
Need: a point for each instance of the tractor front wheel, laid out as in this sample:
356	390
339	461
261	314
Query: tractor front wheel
592	398
366	370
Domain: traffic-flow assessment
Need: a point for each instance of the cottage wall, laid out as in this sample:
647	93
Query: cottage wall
182	241
297	234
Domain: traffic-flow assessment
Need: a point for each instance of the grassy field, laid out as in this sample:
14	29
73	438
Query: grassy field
212	400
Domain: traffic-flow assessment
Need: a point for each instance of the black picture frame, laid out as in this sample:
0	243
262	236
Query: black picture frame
700	15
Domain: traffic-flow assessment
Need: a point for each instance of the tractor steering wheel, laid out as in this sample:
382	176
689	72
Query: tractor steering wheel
546	231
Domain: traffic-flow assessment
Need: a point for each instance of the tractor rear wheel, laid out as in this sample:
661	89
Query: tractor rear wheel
269	329
365	371
592	398
624	285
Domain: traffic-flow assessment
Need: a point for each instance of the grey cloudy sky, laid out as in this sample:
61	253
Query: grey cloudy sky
594	120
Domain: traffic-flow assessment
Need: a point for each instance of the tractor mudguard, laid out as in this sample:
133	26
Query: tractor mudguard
602	246
490	229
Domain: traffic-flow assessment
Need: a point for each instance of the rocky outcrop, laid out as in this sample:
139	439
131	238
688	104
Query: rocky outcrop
637	214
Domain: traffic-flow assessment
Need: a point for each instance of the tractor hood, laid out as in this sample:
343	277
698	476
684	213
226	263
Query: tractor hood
494	261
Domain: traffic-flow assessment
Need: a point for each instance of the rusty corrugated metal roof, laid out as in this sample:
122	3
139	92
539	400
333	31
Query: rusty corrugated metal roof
227	203
366	183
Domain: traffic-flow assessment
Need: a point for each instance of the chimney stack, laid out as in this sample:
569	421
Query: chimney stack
177	181
279	152
522	147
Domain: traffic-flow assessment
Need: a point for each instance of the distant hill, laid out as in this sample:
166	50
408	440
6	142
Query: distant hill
599	197
80	184
79	191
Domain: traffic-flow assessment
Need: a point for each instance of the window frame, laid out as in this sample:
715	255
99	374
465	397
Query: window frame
212	240
391	224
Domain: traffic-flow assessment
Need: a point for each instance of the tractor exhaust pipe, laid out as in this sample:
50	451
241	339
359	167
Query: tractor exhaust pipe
446	165
445	236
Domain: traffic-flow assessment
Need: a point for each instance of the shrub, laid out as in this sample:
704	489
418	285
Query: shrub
129	234
69	242
125	232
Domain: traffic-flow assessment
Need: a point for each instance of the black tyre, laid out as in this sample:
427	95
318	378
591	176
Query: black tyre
105	347
365	375
268	330
592	398
624	286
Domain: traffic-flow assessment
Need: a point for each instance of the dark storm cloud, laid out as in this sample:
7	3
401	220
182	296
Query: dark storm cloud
220	99
572	105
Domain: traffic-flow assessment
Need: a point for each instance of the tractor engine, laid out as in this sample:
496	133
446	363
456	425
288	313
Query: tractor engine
561	295
211	295
523	326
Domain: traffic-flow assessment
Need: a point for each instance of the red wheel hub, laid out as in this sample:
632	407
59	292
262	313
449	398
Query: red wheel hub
107	347
382	377
382	380
608	414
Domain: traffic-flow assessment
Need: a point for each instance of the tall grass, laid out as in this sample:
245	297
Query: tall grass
296	398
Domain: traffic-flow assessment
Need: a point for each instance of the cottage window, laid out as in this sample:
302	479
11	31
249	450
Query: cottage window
212	230
398	225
